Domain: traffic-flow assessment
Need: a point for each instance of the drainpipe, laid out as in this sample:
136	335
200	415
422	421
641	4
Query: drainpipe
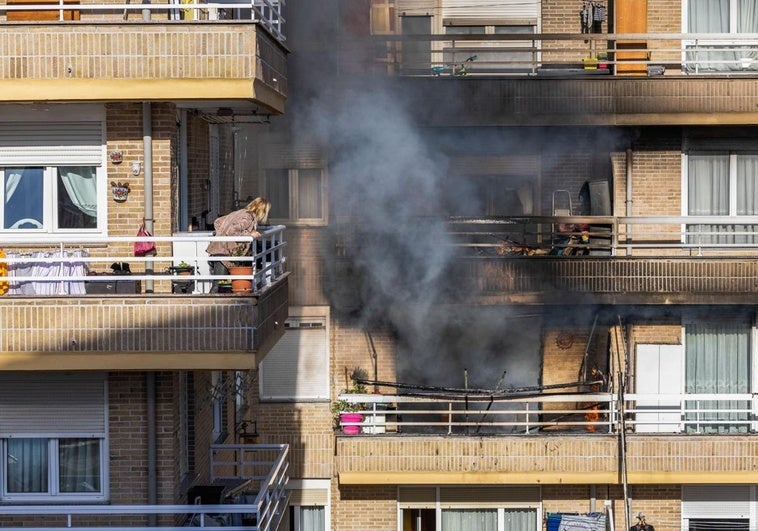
152	475
629	201
183	170
147	147
147	150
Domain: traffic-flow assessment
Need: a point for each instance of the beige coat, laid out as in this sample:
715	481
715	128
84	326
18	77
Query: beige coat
237	223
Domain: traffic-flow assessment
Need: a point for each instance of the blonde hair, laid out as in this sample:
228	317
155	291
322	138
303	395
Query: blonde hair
258	208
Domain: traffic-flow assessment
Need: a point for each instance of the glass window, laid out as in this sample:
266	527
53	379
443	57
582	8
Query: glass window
49	199
722	184
308	518
54	467
721	16
296	195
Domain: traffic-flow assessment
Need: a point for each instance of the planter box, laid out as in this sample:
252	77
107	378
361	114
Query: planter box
112	287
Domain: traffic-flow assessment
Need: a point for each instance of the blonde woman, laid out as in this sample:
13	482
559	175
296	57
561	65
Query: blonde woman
242	222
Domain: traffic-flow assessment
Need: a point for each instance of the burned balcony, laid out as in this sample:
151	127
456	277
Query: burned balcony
91	304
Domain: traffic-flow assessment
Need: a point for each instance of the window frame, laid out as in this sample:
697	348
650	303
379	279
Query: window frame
53	471
50	194
293	179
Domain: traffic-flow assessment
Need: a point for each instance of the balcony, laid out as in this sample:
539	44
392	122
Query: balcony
598	79
518	437
144	52
250	479
606	260
61	309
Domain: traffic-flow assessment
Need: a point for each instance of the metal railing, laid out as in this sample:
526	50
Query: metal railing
67	265
610	235
501	413
519	54
258	502
267	13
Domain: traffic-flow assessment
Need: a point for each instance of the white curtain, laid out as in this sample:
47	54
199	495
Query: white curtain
707	195
469	520
79	465
81	186
520	519
27	465
312	519
717	360
712	16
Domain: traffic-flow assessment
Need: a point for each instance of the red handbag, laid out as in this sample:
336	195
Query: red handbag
141	248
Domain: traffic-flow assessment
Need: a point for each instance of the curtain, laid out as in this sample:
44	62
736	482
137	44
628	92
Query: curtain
520	519
717	360
469	520
27	465
309	194
312	519
707	195
712	16
80	184
24	188
79	465
747	196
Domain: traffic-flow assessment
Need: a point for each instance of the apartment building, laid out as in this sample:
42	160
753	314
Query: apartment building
125	386
529	226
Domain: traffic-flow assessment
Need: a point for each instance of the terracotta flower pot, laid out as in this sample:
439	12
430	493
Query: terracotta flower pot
242	285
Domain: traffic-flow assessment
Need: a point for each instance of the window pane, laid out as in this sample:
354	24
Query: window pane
23	198
709	16
312	519
26	464
309	194
77	198
469	520
278	192
79	465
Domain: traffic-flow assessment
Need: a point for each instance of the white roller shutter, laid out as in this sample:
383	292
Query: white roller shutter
53	404
722	501
415	7
54	143
502	9
297	367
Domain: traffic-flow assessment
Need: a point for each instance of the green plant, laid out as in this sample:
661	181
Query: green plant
183	265
356	387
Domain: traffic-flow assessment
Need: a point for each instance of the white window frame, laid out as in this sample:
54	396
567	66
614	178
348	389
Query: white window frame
50	194
53	477
733	16
306	484
321	390
293	176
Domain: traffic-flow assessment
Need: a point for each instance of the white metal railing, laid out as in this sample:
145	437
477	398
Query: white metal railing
65	265
615	235
554	53
500	413
267	13
257	502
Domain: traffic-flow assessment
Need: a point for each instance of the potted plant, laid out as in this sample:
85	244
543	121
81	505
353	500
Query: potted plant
184	268
243	269
346	414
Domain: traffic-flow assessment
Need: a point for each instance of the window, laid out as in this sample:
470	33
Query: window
472	507
49	199
721	16
297	368
722	184
309	500
62	456
52	466
717	361
296	195
489	56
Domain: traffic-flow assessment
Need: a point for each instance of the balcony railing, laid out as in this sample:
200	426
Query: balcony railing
267	13
253	477
502	413
668	236
536	54
66	265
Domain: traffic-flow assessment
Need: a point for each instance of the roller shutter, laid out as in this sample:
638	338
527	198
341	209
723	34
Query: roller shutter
53	404
722	501
55	143
502	9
